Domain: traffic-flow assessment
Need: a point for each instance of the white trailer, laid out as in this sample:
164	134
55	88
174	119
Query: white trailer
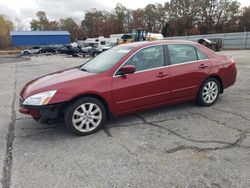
115	37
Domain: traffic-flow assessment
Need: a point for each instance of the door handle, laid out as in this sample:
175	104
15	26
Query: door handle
161	75
203	66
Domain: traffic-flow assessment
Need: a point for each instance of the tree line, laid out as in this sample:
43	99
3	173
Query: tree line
6	26
173	18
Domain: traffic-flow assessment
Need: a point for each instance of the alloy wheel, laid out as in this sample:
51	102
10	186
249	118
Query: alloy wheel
210	92
87	117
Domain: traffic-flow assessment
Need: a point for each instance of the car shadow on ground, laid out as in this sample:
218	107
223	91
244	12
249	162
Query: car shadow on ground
27	128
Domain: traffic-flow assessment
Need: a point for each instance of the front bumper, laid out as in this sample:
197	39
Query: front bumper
30	111
51	111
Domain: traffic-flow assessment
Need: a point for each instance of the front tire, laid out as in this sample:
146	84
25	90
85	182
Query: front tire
85	116
209	92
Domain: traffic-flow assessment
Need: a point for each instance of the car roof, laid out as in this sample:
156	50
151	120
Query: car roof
149	43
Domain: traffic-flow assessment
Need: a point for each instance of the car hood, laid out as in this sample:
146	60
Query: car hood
53	81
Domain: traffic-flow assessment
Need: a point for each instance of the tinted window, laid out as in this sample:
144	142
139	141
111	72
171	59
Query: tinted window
103	42
106	60
147	58
181	53
125	37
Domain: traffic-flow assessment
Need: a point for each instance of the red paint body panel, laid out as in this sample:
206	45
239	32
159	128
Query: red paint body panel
140	90
33	112
186	79
227	70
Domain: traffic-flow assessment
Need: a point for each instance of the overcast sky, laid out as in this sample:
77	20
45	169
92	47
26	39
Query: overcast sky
25	10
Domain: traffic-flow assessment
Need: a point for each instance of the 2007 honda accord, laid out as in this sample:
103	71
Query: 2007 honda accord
126	79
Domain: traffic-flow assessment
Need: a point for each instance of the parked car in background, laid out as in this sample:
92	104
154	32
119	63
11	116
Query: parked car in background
213	45
94	48
63	50
69	50
30	51
108	46
48	50
127	79
90	49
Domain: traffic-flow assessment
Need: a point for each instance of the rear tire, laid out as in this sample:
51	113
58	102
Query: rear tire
209	92
85	116
26	53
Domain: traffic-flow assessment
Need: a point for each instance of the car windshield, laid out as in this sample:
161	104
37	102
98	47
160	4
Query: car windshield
106	60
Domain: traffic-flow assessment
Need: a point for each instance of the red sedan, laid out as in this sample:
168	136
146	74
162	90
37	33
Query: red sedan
129	78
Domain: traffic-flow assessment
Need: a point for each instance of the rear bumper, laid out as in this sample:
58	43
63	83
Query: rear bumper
51	111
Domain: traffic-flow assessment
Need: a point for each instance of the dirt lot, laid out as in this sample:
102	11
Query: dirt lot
179	146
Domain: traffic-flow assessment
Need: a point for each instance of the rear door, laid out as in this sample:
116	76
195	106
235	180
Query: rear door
147	87
189	68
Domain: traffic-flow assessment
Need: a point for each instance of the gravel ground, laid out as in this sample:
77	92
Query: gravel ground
177	146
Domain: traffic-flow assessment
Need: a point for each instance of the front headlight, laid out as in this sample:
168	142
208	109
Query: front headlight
39	99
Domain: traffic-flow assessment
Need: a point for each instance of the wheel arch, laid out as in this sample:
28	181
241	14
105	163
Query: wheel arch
26	52
219	80
98	97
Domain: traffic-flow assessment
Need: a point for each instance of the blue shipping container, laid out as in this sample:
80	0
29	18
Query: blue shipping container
39	38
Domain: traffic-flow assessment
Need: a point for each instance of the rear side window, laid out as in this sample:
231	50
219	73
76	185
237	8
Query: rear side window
201	55
181	53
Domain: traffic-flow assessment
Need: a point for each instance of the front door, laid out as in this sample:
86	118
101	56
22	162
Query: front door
147	87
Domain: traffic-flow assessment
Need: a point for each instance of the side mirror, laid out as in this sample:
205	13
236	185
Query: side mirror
127	69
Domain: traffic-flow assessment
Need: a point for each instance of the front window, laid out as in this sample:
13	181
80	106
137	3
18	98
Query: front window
147	58
106	60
